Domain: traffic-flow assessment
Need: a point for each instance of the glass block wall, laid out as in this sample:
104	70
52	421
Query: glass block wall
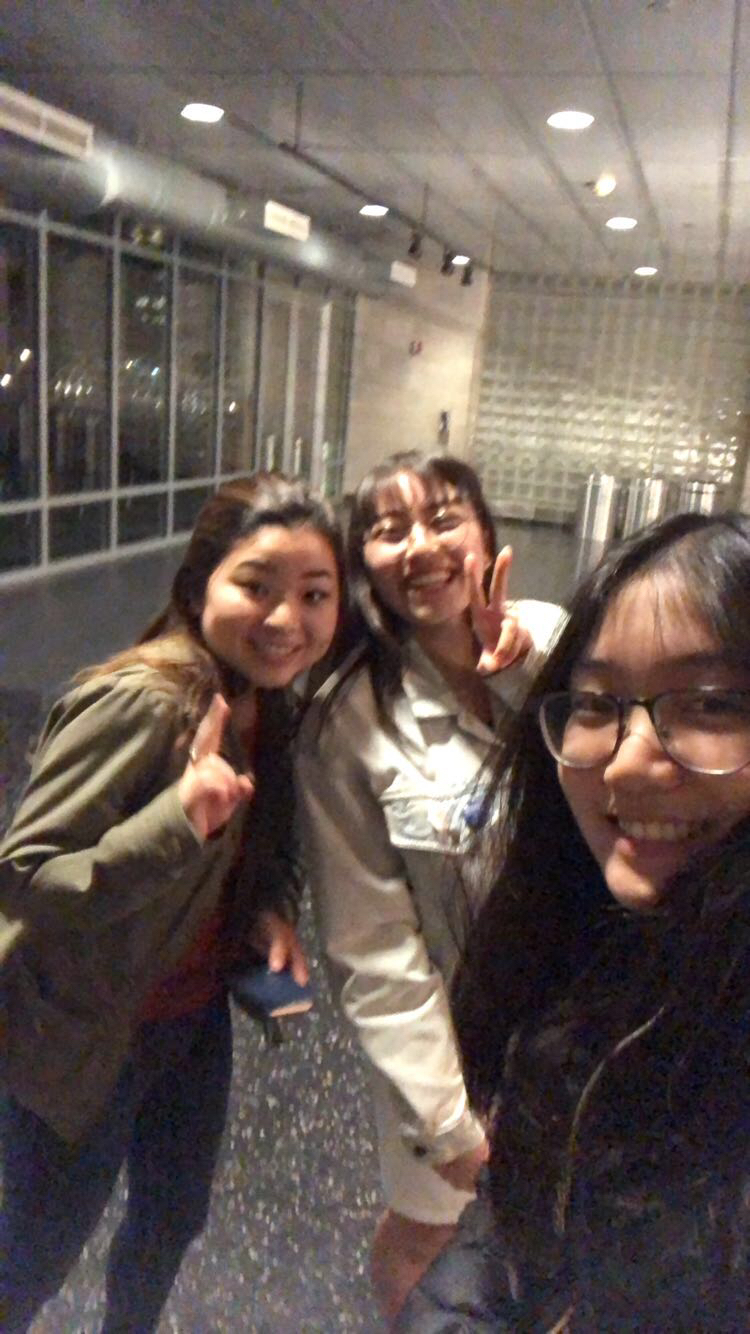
592	375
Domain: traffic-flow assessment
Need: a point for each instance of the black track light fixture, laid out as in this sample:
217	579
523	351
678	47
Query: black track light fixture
415	245
467	277
447	265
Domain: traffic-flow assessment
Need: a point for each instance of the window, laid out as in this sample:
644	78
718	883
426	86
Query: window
275	352
186	506
305	380
144	372
334	425
238	432
19	540
141	518
78	322
196	372
19	470
75	530
128	454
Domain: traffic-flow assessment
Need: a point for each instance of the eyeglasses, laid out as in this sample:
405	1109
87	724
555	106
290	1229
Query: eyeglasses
705	730
397	528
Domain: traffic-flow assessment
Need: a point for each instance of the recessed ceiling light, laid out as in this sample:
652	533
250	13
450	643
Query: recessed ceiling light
604	184
570	120
460	260
622	224
373	210
203	112
645	271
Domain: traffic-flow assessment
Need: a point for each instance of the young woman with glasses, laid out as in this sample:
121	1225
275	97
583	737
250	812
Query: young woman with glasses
603	1005
388	770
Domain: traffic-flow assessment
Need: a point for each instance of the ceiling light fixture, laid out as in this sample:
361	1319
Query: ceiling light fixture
604	184
467	277
570	120
415	245
374	210
621	224
203	112
645	271
461	260
447	265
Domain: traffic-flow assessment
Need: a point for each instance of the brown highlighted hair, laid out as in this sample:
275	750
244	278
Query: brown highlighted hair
173	642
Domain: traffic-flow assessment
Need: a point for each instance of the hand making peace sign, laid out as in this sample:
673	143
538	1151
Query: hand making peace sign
210	789
494	621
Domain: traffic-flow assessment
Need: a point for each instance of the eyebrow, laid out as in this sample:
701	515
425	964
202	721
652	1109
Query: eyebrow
268	567
681	660
402	511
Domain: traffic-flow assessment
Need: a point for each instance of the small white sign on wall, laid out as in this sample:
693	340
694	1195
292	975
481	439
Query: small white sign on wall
402	273
286	221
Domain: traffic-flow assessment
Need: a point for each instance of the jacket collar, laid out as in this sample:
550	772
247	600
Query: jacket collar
427	694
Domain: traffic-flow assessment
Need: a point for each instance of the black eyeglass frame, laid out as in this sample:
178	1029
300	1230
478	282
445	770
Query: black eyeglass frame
623	709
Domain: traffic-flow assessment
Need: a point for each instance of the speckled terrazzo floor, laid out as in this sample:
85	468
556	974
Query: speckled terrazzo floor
294	1203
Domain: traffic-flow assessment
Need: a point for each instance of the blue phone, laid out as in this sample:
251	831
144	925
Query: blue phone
267	995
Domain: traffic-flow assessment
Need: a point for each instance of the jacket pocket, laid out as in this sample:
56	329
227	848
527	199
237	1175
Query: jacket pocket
46	1044
427	824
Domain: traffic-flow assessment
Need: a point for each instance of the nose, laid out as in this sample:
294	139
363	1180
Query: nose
420	535
640	757
283	616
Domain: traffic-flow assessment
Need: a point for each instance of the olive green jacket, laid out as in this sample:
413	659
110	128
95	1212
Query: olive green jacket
104	883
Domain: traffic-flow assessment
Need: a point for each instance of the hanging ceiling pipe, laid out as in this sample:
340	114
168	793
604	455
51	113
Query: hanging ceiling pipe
114	176
338	178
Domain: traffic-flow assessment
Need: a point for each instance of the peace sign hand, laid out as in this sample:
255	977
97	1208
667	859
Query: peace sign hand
210	790
495	624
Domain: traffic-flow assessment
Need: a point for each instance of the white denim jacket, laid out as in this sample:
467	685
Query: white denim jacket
386	817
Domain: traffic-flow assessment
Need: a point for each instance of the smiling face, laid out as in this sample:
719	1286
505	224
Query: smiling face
415	550
643	816
271	606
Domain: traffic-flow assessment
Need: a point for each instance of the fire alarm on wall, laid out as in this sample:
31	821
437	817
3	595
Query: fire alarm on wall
415	347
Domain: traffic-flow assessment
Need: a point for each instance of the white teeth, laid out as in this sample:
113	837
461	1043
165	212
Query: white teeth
426	580
662	831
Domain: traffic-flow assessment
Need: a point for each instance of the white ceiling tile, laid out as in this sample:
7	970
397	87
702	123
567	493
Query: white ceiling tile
452	94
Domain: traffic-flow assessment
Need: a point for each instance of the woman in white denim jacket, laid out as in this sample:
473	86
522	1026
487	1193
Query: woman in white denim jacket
388	768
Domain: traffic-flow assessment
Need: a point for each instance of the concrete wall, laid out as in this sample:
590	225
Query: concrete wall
397	395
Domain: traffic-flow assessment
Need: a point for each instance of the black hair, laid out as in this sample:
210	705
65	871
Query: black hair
384	632
667	992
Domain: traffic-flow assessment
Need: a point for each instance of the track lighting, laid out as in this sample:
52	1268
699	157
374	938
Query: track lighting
415	245
447	265
467	277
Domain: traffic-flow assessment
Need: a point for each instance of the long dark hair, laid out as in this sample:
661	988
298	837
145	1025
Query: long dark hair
383	632
173	641
672	989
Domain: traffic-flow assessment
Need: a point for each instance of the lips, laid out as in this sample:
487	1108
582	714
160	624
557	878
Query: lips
660	831
276	653
426	582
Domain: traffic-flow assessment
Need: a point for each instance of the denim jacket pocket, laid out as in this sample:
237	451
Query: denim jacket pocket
428	823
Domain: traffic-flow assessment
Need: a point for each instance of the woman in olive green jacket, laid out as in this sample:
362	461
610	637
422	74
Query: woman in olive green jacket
151	849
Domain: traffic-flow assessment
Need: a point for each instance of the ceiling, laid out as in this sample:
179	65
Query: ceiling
452	95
